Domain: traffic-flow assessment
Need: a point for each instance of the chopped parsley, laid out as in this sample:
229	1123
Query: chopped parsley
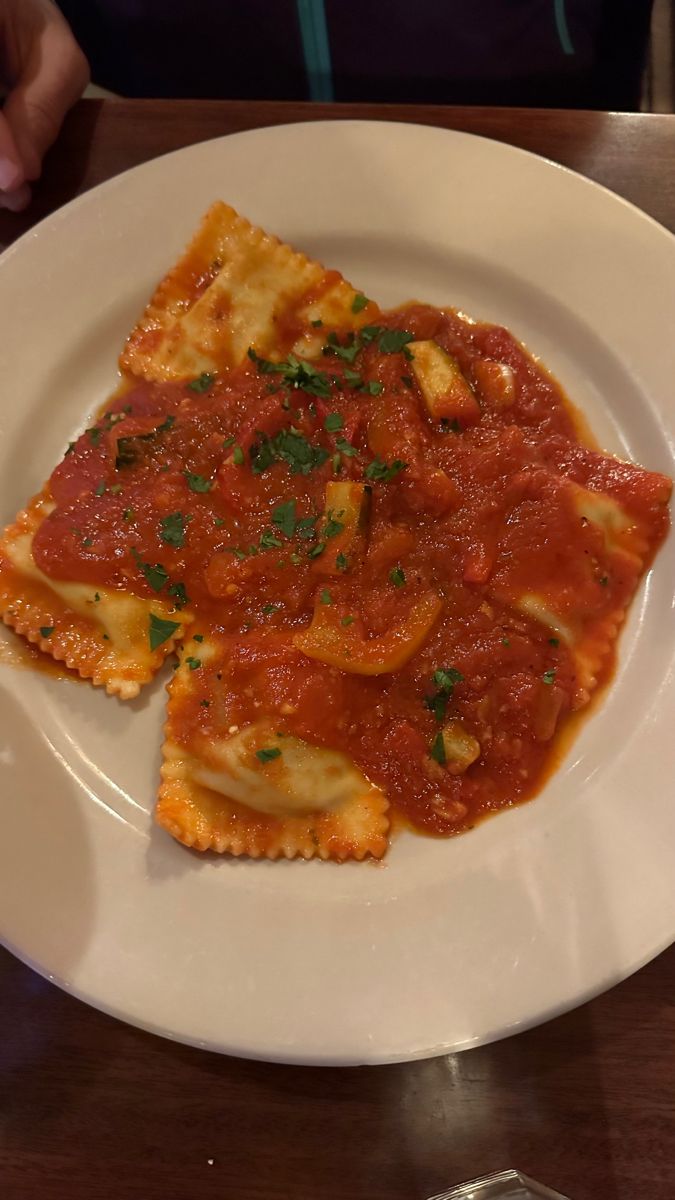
549	677
332	527
46	630
347	621
295	373
269	540
346	352
202	383
229	441
238	456
326	597
317	324
334	421
167	424
205	703
127	514
373	387
305	528
359	302
100	488
116	488
156	576
407	380
380	472
603	580
287	446
197	483
346	447
341	562
437	749
397	576
192	662
268	753
198	637
554	641
268	609
283	516
444	679
94	435
160	631
177	590
391	341
505	641
316	550
96	597
172	529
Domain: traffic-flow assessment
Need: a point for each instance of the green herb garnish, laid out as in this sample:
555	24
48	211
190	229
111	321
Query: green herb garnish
202	383
380	472
444	679
346	447
334	421
157	576
268	753
397	577
172	529
283	516
197	483
288	446
295	373
359	302
46	630
160	631
437	749
269	540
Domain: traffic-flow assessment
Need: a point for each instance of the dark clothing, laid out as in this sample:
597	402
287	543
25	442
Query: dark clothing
556	53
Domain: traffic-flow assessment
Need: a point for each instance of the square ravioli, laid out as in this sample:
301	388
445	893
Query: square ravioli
237	287
257	790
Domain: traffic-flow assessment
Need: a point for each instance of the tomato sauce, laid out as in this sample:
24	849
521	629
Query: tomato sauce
213	492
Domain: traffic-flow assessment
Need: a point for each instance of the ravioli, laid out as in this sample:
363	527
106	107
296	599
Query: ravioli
257	790
102	634
237	287
586	552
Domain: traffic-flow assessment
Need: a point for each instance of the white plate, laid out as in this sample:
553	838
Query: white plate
448	943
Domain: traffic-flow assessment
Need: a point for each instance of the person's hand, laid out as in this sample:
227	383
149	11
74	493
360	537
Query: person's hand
42	73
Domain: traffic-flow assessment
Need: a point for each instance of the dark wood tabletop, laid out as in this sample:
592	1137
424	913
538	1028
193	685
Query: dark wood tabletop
90	1107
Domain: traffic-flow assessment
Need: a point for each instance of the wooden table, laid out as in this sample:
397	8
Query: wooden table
93	1108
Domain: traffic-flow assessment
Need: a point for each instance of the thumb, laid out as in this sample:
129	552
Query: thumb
11	170
53	78
14	191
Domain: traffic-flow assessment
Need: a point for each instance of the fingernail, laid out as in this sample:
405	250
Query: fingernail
17	200
10	174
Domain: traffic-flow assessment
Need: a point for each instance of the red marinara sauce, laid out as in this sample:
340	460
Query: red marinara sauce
213	492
